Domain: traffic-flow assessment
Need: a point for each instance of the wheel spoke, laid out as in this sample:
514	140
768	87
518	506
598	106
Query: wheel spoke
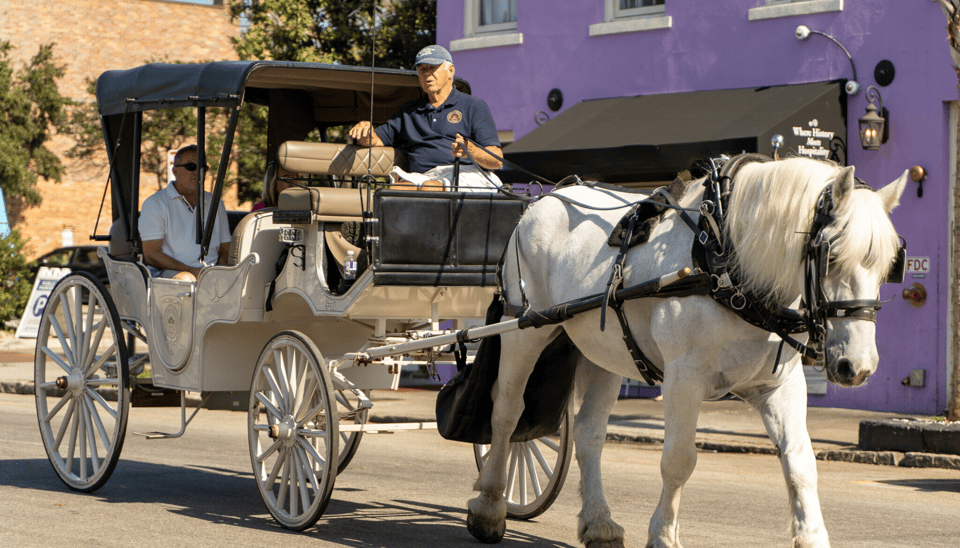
49	353
95	415
56	408
91	441
92	367
543	462
279	384
531	469
312	451
64	346
67	421
272	409
512	476
307	478
270	450
66	302
86	330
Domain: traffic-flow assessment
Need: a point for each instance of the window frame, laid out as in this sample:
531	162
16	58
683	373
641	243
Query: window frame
491	36
630	13
792	8
617	21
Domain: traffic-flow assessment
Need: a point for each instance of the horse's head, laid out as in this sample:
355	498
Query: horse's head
850	258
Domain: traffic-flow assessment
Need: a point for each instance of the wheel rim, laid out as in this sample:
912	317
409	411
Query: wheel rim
536	470
293	434
348	408
82	396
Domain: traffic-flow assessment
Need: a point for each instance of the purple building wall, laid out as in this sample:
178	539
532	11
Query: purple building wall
713	45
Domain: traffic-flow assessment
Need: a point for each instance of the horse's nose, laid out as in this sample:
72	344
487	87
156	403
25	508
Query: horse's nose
847	374
845	370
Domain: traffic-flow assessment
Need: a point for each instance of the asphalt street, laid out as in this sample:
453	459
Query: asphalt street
410	490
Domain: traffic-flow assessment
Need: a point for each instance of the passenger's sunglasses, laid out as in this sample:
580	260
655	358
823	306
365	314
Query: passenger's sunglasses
191	166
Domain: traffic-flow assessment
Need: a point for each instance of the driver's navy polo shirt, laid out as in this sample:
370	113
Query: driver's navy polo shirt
427	133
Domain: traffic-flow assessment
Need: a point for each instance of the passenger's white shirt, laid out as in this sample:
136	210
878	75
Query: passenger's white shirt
168	216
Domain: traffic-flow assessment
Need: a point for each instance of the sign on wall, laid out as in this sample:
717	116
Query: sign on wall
917	267
47	277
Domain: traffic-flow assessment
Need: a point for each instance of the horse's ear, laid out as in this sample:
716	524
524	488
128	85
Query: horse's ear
844	184
890	194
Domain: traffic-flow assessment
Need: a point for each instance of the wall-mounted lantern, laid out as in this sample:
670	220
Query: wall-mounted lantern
875	125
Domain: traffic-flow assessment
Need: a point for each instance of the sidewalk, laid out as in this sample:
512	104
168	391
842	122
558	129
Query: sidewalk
725	426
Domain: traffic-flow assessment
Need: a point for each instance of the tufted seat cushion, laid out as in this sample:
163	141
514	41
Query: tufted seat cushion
339	159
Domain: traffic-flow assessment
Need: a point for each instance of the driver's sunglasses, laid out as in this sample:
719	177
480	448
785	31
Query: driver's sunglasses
191	166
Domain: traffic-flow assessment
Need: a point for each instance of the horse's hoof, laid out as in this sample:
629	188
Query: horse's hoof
605	544
488	536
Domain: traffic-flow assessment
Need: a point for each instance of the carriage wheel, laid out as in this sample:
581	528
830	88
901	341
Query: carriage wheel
83	398
293	430
536	470
348	407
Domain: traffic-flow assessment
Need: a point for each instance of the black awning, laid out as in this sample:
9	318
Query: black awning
652	137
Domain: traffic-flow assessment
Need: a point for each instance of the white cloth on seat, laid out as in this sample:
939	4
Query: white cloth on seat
472	178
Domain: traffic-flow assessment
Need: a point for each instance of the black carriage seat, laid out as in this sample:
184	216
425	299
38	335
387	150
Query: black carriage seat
441	238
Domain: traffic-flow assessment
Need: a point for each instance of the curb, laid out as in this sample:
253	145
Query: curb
858	456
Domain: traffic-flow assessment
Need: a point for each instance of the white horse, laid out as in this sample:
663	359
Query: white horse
704	350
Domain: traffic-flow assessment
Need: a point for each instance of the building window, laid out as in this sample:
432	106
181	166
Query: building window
488	24
632	16
790	8
496	15
633	8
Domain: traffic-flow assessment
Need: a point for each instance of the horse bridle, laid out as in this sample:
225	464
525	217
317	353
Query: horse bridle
817	308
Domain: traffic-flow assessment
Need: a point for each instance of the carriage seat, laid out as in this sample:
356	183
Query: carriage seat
339	160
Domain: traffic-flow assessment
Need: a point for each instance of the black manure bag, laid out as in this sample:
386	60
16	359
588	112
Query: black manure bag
465	404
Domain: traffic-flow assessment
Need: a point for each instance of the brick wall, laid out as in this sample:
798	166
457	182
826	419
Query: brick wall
93	36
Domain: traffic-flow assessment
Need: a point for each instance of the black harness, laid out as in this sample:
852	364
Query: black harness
712	277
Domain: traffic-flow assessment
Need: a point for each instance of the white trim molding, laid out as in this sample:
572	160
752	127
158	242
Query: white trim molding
774	9
640	24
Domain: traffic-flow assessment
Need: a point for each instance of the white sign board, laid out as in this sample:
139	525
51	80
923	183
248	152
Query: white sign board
42	286
919	267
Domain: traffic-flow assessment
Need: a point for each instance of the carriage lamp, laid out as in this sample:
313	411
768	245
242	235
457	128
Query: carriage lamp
874	129
803	32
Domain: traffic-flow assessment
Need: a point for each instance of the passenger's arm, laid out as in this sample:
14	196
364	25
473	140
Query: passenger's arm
363	135
154	256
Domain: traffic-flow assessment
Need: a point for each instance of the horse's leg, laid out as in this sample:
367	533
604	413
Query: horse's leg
682	396
487	513
784	412
599	388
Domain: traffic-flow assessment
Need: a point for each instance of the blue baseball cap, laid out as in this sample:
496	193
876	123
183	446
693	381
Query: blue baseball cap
433	55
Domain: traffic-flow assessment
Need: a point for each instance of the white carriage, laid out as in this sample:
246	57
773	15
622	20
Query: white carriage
276	321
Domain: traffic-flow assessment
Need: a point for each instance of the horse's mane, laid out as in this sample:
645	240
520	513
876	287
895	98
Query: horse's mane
771	210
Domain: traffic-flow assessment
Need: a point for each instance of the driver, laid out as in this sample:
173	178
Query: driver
168	226
431	131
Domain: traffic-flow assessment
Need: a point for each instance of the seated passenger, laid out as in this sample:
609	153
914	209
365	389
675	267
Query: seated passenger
168	226
276	181
431	131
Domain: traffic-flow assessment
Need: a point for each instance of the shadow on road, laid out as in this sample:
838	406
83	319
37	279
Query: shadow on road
227	497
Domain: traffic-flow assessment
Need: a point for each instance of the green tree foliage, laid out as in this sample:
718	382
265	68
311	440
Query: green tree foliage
335	31
31	110
14	275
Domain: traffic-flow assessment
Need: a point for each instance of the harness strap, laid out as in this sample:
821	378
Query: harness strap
650	373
